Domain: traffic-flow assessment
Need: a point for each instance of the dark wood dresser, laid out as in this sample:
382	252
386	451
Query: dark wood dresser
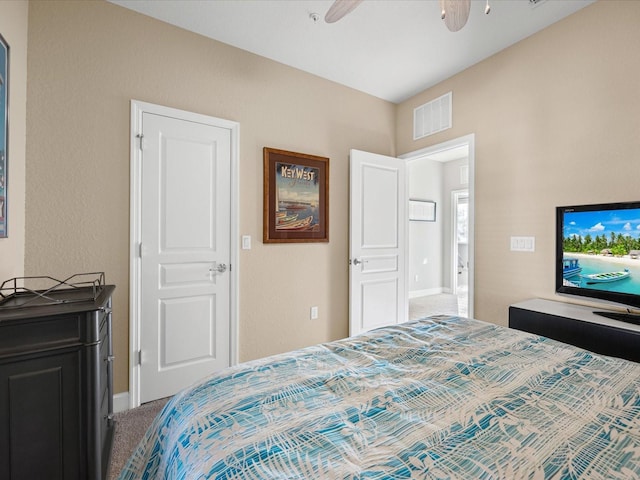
56	385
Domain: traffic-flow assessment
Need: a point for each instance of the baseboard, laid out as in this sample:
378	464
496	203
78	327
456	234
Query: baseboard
120	402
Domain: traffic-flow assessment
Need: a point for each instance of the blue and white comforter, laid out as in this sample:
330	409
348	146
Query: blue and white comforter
440	398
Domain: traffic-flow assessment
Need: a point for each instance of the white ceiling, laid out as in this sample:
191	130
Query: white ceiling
391	49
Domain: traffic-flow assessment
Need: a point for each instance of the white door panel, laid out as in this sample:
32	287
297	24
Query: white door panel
191	319
379	264
380	189
377	284
185	237
187	274
379	303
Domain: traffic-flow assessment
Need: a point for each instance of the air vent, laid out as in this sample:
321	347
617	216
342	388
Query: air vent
432	117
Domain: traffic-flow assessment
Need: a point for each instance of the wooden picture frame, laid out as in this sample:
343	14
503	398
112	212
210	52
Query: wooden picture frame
296	197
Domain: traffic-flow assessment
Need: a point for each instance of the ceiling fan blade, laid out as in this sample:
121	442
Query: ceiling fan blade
455	13
339	9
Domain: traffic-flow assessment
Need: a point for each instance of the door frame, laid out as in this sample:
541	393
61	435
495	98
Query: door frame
466	140
456	195
138	108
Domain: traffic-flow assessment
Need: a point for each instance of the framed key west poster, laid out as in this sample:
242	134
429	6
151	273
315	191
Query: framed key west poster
4	130
296	197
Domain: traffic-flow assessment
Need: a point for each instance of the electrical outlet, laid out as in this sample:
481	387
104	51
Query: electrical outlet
314	313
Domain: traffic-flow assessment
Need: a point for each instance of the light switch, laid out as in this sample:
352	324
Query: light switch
246	242
523	244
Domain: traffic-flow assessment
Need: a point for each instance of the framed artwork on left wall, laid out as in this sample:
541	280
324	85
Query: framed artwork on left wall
4	132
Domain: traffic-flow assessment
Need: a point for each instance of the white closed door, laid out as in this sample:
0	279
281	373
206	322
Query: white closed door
185	255
377	246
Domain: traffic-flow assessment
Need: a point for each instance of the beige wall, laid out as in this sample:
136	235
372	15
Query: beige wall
13	27
87	60
557	122
555	119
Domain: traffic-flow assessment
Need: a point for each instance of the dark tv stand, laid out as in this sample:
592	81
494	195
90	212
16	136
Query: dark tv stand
623	317
577	325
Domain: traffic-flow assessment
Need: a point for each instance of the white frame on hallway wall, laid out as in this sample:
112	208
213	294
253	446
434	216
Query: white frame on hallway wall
137	109
468	140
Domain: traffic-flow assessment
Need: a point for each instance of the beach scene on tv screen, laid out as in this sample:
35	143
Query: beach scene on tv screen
601	250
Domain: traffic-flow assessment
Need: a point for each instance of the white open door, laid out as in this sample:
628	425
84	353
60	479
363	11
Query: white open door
377	246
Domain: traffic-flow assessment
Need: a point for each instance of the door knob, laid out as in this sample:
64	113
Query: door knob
357	261
222	268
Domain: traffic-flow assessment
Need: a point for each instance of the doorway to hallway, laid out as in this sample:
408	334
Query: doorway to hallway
441	253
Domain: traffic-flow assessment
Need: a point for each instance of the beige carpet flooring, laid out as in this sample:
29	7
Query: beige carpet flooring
443	303
440	304
131	425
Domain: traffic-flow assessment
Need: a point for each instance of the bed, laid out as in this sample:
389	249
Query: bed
437	398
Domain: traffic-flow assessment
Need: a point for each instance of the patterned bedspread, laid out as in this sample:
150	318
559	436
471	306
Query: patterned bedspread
439	398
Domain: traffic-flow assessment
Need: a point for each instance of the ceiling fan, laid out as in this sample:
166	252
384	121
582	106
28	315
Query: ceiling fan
339	9
455	13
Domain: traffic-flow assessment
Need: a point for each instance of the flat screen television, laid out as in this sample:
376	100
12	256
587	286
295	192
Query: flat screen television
598	255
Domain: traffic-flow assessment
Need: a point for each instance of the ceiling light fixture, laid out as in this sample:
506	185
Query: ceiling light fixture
455	13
